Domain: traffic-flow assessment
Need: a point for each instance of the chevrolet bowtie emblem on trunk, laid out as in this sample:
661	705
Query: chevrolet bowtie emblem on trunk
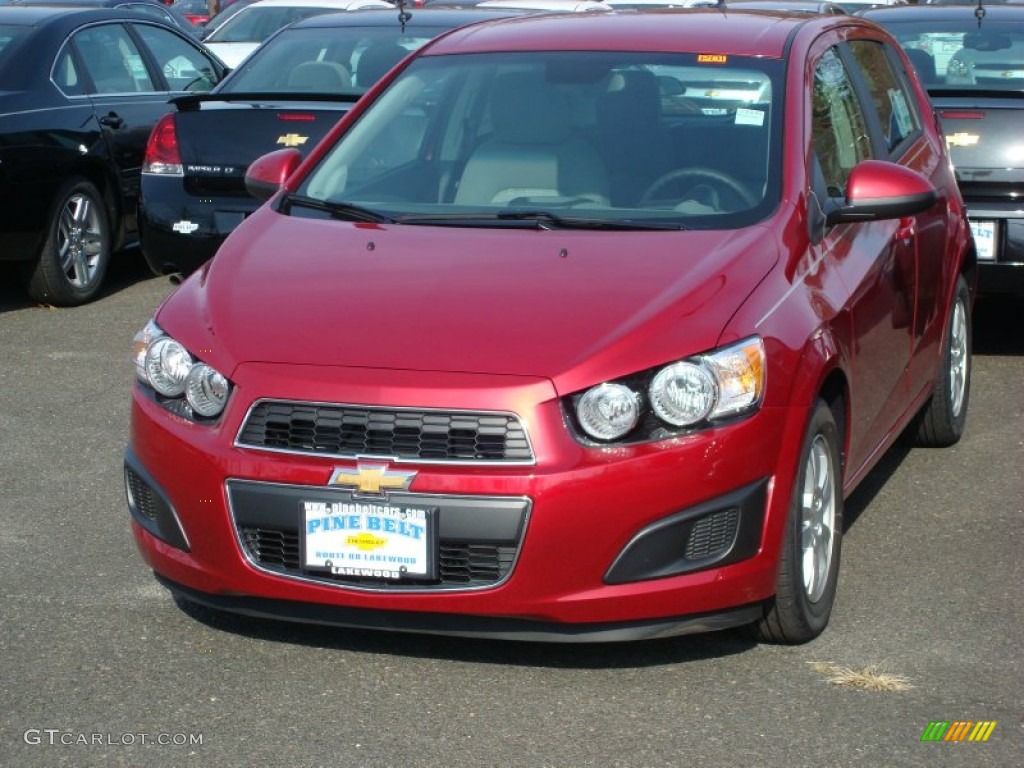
292	140
374	479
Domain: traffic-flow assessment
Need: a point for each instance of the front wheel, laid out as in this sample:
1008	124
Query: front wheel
74	257
941	422
808	570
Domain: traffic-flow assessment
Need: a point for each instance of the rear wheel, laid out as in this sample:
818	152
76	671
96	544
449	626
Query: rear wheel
941	422
74	257
809	561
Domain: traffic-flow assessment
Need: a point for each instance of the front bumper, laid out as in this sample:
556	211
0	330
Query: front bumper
583	544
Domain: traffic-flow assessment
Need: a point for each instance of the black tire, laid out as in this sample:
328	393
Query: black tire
941	422
802	604
74	256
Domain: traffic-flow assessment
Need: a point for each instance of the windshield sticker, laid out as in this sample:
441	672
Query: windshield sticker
712	58
749	116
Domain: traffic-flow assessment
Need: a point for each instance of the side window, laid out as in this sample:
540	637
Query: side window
184	67
893	103
113	62
65	74
839	134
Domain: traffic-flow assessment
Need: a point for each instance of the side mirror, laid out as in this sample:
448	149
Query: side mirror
268	173
882	190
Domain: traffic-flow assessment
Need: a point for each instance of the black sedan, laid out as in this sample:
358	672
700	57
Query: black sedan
80	91
156	8
971	59
288	93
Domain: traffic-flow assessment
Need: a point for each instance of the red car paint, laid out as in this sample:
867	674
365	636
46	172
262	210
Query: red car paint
516	320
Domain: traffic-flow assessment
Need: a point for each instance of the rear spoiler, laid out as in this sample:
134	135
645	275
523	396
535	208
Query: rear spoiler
192	101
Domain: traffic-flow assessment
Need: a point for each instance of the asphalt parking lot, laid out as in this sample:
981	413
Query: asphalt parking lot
100	667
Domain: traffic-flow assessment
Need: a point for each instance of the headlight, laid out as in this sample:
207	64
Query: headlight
608	411
167	365
186	386
683	394
206	390
695	392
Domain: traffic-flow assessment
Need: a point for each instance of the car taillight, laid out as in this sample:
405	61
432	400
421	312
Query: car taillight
162	155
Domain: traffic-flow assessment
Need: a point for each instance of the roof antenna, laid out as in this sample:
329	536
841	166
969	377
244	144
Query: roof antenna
404	15
979	13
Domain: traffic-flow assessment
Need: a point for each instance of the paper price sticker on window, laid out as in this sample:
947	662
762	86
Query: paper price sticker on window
712	58
749	116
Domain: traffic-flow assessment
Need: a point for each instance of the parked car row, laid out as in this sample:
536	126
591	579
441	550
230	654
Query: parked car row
192	191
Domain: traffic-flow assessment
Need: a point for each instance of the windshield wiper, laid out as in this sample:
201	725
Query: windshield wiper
538	219
340	210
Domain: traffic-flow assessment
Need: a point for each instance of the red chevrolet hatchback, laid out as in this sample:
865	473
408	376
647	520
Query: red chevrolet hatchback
574	328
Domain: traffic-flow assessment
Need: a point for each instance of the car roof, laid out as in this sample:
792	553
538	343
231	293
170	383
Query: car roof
73	15
950	11
416	17
685	30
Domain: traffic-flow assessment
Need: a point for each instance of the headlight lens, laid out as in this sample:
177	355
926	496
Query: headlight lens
167	366
206	390
608	411
724	383
683	394
739	371
190	388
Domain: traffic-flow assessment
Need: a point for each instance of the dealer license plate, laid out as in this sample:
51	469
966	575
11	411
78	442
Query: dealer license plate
984	239
369	539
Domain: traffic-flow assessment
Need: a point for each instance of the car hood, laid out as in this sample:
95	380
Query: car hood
569	305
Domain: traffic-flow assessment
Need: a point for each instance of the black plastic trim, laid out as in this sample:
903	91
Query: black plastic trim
462	625
658	550
166	526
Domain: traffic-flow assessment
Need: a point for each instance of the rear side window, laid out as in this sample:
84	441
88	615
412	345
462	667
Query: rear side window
113	62
184	67
894	105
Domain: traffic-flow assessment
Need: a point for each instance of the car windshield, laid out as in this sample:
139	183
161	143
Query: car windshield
334	60
256	24
568	139
962	54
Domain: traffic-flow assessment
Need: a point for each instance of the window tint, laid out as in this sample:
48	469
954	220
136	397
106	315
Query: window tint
839	133
184	67
891	100
113	62
112	59
65	74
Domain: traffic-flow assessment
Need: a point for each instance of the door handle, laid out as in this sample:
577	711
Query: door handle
112	120
906	231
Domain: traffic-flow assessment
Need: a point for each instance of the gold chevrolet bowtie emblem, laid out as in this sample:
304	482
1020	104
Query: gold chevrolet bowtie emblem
374	479
292	140
962	139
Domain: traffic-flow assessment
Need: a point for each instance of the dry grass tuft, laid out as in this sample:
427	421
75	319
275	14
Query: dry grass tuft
870	678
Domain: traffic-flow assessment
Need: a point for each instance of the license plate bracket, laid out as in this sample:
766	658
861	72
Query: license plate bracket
986	239
369	539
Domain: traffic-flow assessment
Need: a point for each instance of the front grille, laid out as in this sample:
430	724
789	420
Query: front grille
347	431
712	534
461	563
141	495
